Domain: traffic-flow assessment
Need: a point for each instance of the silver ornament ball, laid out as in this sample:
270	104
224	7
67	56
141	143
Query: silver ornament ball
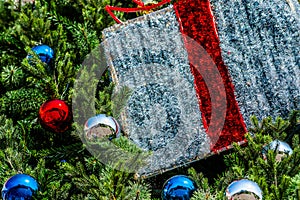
281	148
100	126
244	189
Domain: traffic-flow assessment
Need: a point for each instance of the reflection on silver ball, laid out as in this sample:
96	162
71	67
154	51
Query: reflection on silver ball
282	149
101	126
243	189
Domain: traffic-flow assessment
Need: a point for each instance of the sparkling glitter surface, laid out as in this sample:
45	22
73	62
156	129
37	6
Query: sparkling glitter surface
197	21
260	46
162	115
255	46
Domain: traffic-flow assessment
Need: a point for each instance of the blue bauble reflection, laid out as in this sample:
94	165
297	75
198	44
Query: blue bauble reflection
44	52
19	187
178	187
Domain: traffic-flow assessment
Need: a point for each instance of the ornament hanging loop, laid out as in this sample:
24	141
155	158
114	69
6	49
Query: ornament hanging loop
142	7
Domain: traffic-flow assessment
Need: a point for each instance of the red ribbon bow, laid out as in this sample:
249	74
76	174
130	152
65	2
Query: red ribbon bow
142	7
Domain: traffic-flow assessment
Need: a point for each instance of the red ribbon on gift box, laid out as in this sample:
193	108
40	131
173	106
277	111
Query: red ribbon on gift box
142	7
196	21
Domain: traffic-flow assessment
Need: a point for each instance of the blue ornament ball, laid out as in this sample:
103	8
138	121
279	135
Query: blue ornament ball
19	186
44	52
178	187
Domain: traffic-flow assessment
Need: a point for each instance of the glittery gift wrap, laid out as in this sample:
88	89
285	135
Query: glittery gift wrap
260	42
255	48
197	21
162	115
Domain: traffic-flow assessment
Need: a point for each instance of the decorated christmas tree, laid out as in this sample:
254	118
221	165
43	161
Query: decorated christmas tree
137	100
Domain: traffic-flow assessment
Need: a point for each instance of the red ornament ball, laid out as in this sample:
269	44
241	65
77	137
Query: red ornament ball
55	115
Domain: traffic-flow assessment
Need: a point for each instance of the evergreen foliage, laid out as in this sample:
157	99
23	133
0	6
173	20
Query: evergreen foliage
60	162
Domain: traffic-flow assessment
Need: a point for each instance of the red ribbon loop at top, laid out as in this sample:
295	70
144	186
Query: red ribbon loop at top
142	7
139	2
